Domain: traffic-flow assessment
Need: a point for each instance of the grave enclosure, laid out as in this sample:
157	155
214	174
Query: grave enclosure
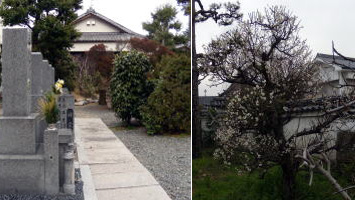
34	159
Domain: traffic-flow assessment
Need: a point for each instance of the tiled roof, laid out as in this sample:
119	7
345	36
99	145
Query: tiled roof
318	104
294	107
205	100
345	64
212	101
104	37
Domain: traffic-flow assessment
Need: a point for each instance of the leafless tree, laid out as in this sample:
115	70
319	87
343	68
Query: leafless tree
223	14
266	56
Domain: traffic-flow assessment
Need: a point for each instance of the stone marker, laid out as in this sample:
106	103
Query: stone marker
52	75
47	82
51	149
36	80
34	159
16	63
17	119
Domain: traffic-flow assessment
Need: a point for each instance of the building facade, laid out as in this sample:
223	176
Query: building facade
336	78
98	29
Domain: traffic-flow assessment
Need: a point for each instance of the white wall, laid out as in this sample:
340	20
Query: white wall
306	121
100	26
110	46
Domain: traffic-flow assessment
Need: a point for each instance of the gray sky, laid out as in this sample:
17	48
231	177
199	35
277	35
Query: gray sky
323	21
131	13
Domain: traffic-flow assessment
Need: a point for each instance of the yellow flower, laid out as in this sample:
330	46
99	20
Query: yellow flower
58	86
61	81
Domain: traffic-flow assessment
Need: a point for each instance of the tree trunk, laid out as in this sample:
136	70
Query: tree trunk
288	178
128	121
196	125
102	97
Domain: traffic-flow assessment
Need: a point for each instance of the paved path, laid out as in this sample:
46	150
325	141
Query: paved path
167	157
115	173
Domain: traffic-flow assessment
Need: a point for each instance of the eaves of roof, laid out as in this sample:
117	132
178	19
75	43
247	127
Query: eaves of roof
92	12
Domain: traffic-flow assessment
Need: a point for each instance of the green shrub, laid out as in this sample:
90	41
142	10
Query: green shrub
88	86
129	87
168	108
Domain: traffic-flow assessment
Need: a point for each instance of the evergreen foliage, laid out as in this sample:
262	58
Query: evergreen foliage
52	30
164	20
168	108
129	86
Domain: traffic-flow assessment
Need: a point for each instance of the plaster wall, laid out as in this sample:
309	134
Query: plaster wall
86	25
110	46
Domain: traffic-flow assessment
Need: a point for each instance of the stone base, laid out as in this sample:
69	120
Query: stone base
18	134
22	174
69	189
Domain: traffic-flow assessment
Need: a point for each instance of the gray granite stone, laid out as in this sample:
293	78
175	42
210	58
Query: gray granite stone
31	156
47	83
36	73
16	63
52	77
65	103
36	80
18	134
51	152
21	174
65	136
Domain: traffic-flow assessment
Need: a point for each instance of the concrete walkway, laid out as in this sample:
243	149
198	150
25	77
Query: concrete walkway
109	170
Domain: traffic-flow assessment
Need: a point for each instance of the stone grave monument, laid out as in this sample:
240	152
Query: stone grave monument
34	159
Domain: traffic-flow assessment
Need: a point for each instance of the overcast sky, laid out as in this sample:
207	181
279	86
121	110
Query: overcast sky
322	21
131	13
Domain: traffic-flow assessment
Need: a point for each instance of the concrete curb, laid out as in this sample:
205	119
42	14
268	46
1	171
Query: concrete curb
88	186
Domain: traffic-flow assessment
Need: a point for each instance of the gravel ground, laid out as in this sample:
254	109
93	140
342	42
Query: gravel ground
168	158
78	193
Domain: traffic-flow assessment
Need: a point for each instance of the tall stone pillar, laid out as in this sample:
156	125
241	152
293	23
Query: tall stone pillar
17	125
36	80
51	152
16	63
22	162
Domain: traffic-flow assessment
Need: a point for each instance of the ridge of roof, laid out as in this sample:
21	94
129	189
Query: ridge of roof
91	11
339	61
323	55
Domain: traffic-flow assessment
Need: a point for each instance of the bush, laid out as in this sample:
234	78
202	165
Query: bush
168	108
129	87
87	85
66	70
